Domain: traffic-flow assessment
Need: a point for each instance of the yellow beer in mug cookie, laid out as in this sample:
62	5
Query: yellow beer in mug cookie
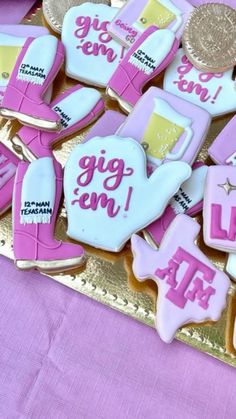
164	129
160	13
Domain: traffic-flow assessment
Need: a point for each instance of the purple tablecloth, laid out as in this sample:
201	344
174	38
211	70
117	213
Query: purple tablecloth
63	356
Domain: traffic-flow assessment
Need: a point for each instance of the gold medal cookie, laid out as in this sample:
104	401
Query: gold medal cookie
209	38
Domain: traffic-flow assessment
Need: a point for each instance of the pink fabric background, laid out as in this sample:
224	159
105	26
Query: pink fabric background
63	356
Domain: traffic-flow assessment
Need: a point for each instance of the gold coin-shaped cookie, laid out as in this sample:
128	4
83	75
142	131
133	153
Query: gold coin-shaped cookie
55	10
209	38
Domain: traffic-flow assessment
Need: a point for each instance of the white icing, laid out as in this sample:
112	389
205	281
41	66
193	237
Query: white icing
95	227
190	192
11	40
76	105
219	94
169	5
95	70
38	191
7	170
153	51
231	266
38	60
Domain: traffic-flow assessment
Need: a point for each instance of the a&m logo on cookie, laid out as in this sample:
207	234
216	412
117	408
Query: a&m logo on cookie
190	288
108	194
214	92
92	54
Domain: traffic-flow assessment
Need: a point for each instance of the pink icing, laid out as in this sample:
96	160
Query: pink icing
217	232
184	85
177	293
117	171
85	24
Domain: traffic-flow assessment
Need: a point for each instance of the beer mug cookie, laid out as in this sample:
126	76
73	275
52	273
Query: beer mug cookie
169	128
214	92
136	16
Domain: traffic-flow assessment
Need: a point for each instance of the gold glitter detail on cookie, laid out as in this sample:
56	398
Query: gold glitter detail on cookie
209	38
227	186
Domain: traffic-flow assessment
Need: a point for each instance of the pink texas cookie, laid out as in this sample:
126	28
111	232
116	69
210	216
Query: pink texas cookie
190	288
223	148
136	16
108	195
188	200
91	53
169	128
214	92
219	209
147	57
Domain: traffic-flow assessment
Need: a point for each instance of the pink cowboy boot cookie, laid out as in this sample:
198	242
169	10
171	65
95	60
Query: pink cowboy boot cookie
36	67
190	288
188	200
8	166
148	56
37	195
77	107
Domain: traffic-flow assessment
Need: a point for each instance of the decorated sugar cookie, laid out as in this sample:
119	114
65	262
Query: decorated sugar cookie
108	195
37	196
91	53
223	148
219	211
33	73
136	16
214	92
190	288
77	107
108	124
55	11
188	200
147	57
169	128
8	166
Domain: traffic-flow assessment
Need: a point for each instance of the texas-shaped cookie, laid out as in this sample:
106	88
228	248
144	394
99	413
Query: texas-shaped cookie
108	194
190	288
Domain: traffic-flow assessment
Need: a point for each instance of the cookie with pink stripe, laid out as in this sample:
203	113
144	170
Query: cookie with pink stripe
190	287
77	107
147	58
